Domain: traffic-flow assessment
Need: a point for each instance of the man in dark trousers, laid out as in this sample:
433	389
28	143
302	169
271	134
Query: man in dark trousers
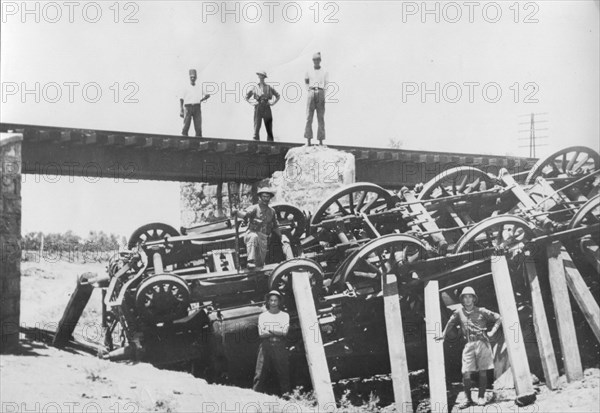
189	105
316	80
477	354
273	326
262	100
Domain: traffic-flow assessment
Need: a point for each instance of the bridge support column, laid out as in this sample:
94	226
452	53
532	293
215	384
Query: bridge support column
10	245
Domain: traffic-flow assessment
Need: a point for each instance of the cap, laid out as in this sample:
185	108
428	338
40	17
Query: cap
262	73
317	55
265	191
193	71
466	291
274	292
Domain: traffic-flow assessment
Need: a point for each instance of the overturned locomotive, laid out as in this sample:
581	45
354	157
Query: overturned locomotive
186	299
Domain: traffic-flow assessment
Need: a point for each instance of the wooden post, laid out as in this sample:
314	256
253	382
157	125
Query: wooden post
396	345
313	343
435	350
591	252
582	294
514	339
562	310
73	311
542	331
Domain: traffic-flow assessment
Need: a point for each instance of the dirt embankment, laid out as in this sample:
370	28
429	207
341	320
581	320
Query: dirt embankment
45	379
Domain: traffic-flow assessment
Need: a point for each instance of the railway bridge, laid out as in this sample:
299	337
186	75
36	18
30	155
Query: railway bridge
48	150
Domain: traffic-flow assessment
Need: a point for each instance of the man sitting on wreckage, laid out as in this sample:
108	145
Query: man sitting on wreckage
262	222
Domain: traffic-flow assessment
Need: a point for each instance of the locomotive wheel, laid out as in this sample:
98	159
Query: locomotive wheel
456	181
153	232
289	215
352	200
378	257
281	277
574	161
163	297
588	214
507	232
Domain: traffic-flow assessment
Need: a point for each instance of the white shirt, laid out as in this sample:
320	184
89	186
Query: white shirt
193	94
317	78
277	323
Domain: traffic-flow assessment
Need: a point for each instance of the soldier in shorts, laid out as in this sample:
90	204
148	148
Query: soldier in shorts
477	354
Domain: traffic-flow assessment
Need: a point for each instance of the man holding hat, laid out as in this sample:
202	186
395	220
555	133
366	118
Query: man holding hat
262	221
316	80
477	354
189	105
262	94
273	326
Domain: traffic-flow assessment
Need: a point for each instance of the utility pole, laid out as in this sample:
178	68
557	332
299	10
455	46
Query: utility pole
532	132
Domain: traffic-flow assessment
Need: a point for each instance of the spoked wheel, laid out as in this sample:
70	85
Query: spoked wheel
456	181
281	278
288	216
352	200
588	214
155	231
378	257
163	297
510	233
572	162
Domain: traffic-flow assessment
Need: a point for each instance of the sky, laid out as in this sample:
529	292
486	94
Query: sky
440	76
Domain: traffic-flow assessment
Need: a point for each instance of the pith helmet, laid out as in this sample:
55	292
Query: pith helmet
262	73
317	55
466	291
269	294
265	191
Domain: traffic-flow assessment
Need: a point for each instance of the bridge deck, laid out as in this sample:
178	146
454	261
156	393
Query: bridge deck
133	156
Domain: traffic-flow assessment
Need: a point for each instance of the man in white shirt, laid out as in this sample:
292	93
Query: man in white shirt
273	326
316	80
189	104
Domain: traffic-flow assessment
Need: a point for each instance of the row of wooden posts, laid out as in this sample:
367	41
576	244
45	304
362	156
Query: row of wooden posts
563	276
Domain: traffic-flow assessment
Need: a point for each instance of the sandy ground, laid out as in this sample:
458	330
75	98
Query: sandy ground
44	379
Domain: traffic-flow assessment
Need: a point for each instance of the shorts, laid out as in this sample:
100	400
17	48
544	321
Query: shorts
477	356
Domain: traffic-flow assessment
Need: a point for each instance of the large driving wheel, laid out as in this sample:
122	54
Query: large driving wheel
163	297
281	277
508	232
155	231
378	257
588	214
352	200
572	162
456	181
288	216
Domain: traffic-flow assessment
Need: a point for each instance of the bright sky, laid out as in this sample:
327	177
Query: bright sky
486	63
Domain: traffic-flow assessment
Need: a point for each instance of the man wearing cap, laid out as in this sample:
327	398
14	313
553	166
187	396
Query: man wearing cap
477	354
273	326
262	221
261	95
189	105
316	80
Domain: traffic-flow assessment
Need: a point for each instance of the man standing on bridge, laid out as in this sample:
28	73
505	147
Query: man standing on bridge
316	80
189	104
477	354
262	95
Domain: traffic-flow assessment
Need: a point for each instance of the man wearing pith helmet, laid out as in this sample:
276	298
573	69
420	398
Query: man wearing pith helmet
262	221
273	326
477	353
